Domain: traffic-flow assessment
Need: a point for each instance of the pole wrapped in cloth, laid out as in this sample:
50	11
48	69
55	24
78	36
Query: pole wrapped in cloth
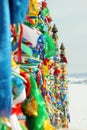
11	11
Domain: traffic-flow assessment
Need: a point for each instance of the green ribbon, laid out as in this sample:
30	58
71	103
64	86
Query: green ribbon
26	49
37	123
2	126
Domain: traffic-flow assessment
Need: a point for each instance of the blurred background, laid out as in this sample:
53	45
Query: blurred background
70	17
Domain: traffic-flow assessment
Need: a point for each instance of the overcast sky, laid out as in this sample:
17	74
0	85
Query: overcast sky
70	17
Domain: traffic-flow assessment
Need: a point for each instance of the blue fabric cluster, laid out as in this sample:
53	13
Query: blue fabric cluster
11	11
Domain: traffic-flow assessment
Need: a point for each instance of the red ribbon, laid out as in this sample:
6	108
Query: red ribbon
19	53
28	85
17	110
29	20
44	4
38	77
13	31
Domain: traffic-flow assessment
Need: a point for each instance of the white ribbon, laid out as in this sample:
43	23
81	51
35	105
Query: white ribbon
30	34
15	123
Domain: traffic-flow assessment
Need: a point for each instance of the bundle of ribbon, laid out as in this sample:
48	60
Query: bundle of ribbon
38	92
